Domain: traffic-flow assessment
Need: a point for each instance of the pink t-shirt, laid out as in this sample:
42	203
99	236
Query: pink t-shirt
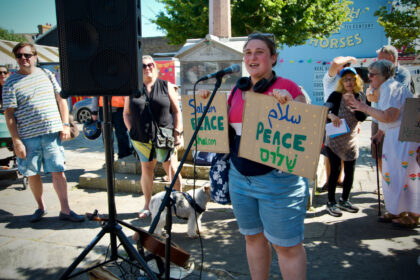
237	102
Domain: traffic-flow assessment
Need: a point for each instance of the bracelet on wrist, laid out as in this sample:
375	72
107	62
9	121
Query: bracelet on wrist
178	131
66	124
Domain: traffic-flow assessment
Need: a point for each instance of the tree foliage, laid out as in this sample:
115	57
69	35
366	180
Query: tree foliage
10	36
401	23
291	21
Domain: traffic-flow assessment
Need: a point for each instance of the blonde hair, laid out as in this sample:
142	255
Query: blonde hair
358	87
148	57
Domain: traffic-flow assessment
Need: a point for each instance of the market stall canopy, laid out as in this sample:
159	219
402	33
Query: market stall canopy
46	54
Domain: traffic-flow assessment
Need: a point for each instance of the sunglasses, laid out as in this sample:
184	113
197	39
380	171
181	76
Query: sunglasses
349	80
150	65
26	55
4	72
269	36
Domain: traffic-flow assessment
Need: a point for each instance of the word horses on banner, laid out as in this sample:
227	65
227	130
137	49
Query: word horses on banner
287	137
213	134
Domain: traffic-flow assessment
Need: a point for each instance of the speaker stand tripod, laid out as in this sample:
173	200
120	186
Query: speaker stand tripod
112	227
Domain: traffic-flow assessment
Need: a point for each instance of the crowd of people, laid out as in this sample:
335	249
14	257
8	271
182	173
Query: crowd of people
269	205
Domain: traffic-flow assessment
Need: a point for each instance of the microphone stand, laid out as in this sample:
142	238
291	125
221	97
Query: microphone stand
167	201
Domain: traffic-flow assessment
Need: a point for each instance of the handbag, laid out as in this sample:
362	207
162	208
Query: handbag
219	172
74	130
219	178
164	138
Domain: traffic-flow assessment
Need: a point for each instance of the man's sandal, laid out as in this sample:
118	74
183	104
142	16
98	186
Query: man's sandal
406	221
387	218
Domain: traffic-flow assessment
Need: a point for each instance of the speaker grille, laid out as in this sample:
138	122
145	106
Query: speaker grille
100	46
83	40
110	69
110	13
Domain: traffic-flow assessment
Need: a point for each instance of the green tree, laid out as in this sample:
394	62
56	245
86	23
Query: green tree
291	21
10	36
401	23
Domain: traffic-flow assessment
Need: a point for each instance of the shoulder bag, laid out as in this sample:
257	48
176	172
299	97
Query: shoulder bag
219	173
164	138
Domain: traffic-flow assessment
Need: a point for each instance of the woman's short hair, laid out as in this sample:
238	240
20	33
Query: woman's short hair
384	67
22	45
358	87
267	38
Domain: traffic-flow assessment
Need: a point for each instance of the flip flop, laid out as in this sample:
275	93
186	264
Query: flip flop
406	222
145	213
387	218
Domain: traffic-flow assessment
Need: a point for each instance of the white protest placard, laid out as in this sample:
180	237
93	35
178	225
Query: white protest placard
213	134
287	137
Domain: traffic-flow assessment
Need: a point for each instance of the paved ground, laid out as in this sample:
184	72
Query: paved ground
353	246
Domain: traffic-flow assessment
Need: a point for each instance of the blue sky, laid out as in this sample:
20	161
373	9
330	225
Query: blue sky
23	16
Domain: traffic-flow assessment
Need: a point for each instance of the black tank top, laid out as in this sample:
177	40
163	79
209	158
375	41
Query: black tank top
142	127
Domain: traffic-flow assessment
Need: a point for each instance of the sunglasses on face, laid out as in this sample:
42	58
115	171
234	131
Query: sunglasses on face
4	72
26	55
149	65
371	75
349	80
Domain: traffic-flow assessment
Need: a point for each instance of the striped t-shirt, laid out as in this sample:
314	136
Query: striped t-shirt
33	96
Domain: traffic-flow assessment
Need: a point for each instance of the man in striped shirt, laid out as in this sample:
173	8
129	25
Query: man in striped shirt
37	119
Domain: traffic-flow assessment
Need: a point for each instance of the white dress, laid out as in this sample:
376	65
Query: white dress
400	171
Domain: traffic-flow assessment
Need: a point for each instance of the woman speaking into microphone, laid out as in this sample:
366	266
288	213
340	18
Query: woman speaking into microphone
269	205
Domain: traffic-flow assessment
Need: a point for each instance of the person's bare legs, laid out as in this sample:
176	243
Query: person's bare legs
60	186
258	252
146	181
35	183
341	176
292	261
170	167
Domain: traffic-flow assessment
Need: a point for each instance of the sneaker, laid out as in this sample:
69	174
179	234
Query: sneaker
72	217
37	215
347	206
333	210
323	189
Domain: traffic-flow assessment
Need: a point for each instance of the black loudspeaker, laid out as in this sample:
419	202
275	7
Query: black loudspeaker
100	47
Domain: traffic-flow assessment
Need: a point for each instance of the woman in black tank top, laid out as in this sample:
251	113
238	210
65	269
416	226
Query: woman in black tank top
163	100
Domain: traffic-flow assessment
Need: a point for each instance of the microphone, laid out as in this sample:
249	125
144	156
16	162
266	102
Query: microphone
229	70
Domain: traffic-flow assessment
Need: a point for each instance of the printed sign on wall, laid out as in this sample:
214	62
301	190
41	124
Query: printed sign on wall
287	137
213	134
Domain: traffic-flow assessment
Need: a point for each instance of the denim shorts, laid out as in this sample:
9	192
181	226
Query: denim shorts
147	152
273	203
46	151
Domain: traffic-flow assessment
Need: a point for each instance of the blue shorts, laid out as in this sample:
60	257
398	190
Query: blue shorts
46	151
273	203
147	152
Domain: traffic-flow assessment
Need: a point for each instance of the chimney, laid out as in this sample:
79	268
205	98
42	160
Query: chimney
219	18
42	28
